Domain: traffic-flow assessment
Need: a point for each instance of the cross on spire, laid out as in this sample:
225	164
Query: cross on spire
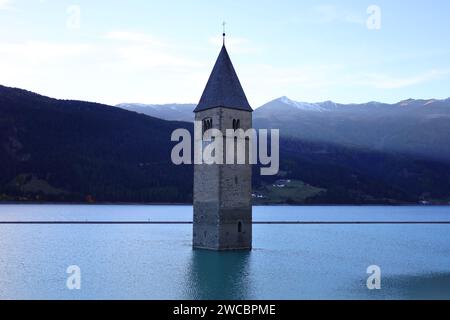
223	34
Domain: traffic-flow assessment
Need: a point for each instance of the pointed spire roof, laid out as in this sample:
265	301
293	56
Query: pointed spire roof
223	88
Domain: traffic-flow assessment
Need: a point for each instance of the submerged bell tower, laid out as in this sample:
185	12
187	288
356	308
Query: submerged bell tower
222	192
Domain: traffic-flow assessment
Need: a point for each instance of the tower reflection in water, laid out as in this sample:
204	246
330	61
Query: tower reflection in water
218	275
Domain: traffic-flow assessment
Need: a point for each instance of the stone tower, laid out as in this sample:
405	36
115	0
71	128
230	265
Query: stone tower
222	192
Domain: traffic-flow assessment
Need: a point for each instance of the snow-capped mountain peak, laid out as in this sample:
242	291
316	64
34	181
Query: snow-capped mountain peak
306	105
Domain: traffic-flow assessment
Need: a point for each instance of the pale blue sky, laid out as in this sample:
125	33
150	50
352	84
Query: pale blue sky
163	51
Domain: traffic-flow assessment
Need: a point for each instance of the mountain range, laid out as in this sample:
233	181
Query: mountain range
75	151
416	127
173	112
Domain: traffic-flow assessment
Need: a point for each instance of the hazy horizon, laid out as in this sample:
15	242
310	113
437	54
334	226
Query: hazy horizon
274	99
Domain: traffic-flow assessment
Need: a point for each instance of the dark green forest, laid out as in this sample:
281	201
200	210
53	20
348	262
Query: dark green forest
73	151
55	150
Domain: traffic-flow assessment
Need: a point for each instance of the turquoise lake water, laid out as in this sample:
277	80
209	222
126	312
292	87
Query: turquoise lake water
294	261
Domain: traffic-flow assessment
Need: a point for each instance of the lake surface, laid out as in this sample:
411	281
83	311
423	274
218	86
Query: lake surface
156	261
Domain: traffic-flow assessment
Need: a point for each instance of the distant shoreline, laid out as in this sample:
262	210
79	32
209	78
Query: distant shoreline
191	204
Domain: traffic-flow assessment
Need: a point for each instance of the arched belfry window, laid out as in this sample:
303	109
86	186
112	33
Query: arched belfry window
206	124
236	124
